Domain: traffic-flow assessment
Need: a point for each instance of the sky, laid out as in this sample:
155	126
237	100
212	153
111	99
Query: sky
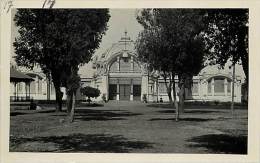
121	20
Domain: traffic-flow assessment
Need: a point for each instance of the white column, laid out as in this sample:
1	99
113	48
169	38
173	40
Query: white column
155	91
225	86
107	87
238	92
158	93
144	86
199	91
36	87
117	90
132	89
132	63
118	63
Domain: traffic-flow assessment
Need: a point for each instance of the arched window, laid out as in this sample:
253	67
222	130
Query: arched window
209	85
125	65
219	85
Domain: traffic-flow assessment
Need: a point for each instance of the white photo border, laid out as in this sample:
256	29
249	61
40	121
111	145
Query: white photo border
254	69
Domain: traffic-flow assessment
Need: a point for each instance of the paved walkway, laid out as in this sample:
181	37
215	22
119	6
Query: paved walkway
134	127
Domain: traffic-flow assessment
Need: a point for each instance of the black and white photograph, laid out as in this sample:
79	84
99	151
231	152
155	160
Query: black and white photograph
128	80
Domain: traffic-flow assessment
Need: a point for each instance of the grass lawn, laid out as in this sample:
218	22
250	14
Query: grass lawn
130	127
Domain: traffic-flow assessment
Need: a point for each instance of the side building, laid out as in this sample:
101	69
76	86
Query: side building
39	88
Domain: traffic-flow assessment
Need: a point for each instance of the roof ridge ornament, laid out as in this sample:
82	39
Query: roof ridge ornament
125	33
125	37
125	54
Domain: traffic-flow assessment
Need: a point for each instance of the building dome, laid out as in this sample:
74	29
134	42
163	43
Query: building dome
125	45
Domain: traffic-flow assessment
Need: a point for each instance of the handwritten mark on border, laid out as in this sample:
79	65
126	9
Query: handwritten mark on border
48	3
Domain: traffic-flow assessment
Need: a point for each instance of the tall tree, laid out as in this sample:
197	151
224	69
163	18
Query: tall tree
152	51
227	36
59	41
177	46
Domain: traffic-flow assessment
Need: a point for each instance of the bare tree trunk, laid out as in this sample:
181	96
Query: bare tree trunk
73	83
72	112
181	97
89	100
175	102
233	91
59	95
168	87
69	103
169	95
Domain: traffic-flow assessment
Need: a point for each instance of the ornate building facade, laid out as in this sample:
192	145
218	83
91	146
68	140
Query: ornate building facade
119	76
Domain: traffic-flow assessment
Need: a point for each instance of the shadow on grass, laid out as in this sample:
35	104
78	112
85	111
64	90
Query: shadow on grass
202	111
221	143
89	105
166	111
182	119
165	105
191	111
101	115
15	113
197	106
98	118
80	143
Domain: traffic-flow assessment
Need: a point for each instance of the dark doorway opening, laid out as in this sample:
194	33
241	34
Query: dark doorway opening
137	92
112	91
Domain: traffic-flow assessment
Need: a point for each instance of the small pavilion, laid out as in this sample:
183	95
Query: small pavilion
18	77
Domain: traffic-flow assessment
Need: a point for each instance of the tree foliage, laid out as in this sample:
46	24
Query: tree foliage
59	41
172	44
58	38
227	36
154	52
